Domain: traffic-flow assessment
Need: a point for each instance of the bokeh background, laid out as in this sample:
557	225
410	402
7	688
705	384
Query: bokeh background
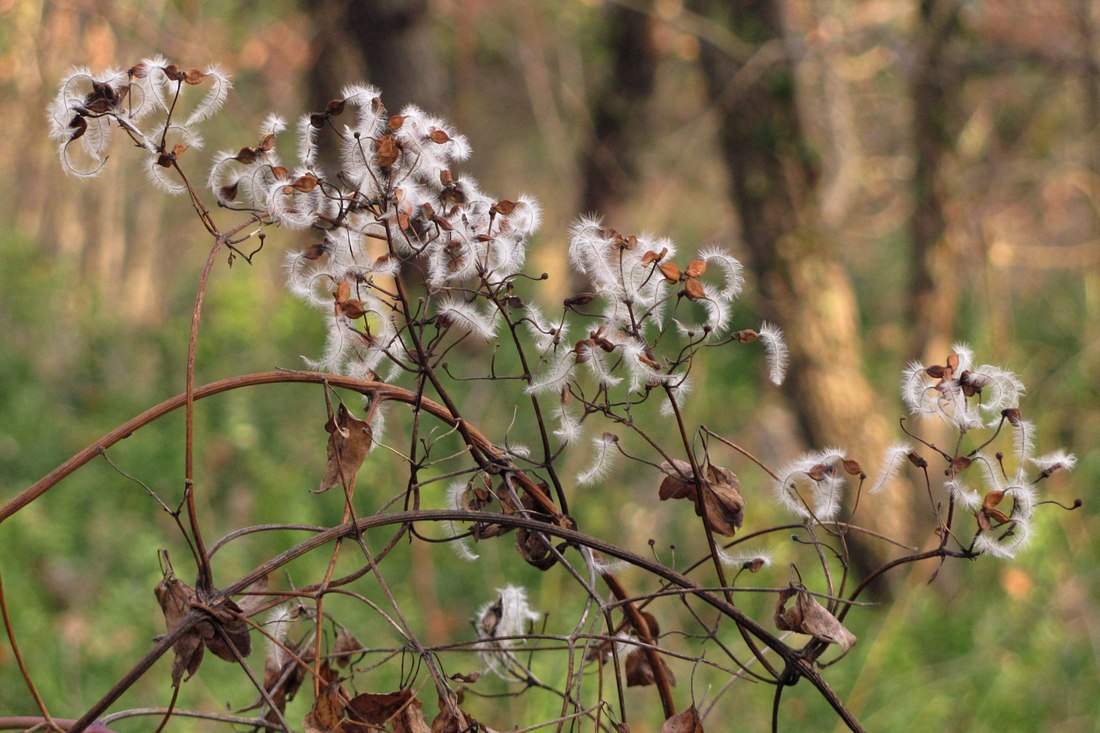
896	174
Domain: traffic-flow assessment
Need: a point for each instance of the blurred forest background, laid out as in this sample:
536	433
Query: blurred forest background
896	175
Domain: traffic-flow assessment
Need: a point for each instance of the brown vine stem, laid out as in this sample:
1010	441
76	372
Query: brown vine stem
381	392
10	629
205	582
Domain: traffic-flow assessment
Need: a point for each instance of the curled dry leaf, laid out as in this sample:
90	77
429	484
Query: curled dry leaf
685	722
349	439
176	598
534	547
722	501
807	616
226	633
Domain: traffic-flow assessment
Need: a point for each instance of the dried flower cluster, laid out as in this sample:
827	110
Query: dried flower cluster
409	261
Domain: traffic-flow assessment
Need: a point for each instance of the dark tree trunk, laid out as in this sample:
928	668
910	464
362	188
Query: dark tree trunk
933	295
609	163
802	285
386	42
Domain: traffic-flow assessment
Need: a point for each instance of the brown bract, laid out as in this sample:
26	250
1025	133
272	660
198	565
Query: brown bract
723	504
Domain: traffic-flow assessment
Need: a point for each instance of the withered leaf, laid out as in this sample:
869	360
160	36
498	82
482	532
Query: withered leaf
685	722
534	547
456	721
348	443
377	708
410	719
234	631
722	501
176	598
807	616
222	633
327	715
639	672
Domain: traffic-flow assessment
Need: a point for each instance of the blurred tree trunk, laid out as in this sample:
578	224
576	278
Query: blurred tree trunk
802	285
933	282
618	104
386	42
1090	81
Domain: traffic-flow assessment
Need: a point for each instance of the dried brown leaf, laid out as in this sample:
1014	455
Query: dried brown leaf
685	722
410	719
234	635
807	616
377	708
348	443
722	501
176	598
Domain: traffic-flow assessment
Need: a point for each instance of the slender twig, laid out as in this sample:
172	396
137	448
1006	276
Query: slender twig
10	629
